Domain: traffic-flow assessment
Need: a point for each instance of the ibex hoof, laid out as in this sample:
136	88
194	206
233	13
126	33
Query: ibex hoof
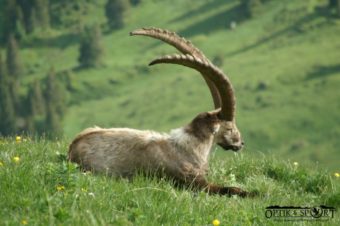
237	191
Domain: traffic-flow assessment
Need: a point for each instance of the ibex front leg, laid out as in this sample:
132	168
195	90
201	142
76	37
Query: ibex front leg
201	183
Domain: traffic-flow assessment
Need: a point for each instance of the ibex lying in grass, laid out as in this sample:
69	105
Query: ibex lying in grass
182	154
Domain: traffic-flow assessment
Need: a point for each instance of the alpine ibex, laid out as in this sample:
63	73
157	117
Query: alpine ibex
183	153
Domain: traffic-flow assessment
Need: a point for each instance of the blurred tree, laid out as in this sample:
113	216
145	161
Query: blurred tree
135	2
36	99
41	13
13	60
335	4
68	81
55	105
34	105
26	6
66	14
55	93
7	112
114	11
13	23
32	21
14	69
53	125
251	7
218	60
91	49
27	14
332	3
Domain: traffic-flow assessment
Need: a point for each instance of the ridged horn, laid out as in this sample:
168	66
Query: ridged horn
180	43
210	72
185	47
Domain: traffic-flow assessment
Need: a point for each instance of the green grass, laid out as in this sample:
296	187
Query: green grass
30	192
291	48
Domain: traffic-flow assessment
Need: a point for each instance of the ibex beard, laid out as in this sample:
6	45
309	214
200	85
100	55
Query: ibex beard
183	153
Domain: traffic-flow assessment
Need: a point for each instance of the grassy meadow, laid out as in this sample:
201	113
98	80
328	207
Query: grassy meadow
39	187
285	67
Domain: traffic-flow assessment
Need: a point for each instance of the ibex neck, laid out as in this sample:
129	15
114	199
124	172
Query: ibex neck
190	145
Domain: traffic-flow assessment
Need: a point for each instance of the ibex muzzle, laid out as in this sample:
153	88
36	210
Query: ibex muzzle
183	153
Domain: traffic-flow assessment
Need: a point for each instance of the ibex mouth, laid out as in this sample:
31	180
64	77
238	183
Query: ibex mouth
231	147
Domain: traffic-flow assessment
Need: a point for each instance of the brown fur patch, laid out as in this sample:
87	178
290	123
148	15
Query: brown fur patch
75	156
203	125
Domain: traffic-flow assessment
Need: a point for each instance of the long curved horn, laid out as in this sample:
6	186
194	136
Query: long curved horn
180	43
211	72
185	47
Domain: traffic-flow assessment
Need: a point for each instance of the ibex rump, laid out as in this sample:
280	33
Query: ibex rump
183	153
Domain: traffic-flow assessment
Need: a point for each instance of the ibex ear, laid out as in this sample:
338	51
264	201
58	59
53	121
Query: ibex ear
215	118
215	113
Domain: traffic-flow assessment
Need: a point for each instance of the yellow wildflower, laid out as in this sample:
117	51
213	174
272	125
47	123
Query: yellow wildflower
1	164
24	222
83	189
16	159
60	188
295	163
18	139
216	222
337	175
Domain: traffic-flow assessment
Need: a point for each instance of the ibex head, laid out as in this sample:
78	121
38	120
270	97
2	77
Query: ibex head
226	132
228	136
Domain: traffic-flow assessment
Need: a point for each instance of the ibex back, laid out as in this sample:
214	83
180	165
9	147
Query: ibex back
183	153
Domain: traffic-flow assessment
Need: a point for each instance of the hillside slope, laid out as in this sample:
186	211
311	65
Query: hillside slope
284	64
